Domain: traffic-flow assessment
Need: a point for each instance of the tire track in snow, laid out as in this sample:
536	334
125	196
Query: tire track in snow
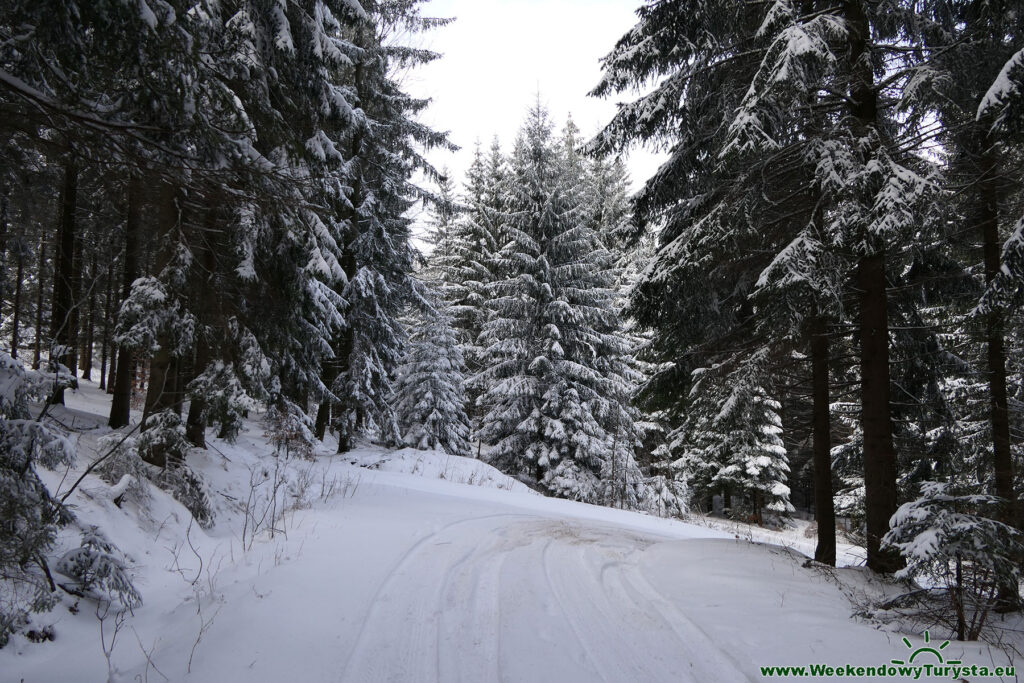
372	658
535	625
623	633
687	629
514	597
471	614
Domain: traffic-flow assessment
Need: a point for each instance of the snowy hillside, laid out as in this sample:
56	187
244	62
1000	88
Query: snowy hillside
417	566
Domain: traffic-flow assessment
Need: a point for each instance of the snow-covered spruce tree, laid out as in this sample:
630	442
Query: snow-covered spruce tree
604	209
466	264
29	515
776	71
382	156
722	218
952	543
553	352
990	150
731	441
429	386
445	211
99	570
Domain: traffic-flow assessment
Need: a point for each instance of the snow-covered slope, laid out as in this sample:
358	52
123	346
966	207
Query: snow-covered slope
414	566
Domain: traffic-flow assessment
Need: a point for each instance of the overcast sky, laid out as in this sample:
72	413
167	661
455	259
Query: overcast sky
499	53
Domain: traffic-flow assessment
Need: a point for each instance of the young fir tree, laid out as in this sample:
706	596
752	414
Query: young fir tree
733	441
553	406
29	515
382	156
465	262
430	396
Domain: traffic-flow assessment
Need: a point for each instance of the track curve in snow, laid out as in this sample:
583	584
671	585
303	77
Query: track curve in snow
488	599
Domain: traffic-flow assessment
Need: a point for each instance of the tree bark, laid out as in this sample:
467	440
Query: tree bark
195	423
40	297
323	412
19	276
824	504
120	407
162	392
987	202
112	371
880	471
107	314
62	318
90	324
5	222
76	305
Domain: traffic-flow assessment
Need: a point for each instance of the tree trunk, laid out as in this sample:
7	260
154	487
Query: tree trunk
112	371
76	306
90	324
824	505
323	418
323	413
40	296
346	421
120	406
19	276
987	202
195	424
62	318
163	366
5	222
107	314
880	471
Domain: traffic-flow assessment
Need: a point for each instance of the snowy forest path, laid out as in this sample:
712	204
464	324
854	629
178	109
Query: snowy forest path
513	597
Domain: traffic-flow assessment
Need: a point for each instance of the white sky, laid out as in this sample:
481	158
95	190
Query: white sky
499	53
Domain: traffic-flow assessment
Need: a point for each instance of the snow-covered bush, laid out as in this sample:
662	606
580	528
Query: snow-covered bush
164	447
58	376
667	496
162	440
99	570
176	478
189	490
124	460
949	541
29	515
225	399
430	395
289	430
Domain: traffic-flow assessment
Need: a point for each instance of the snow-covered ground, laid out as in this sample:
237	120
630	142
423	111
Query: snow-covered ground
417	566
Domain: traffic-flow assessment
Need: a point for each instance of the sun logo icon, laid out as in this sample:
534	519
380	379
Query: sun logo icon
926	649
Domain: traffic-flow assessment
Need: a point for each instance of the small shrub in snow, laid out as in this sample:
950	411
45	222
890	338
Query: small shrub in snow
124	460
29	515
667	497
948	541
290	431
98	570
225	399
163	446
189	490
162	441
